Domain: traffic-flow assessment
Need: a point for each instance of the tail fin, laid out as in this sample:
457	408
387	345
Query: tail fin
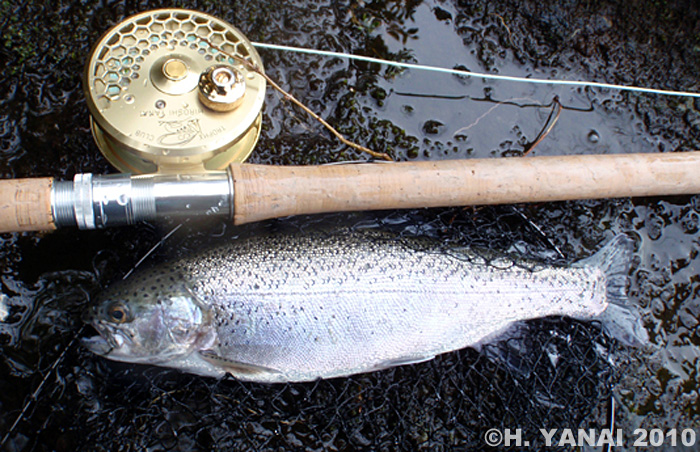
621	319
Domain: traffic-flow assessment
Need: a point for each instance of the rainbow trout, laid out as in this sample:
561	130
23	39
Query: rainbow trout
299	308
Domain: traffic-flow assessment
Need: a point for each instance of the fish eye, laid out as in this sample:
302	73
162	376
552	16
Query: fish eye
118	313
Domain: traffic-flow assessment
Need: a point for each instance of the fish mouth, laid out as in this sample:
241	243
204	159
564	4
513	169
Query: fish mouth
97	344
98	337
99	340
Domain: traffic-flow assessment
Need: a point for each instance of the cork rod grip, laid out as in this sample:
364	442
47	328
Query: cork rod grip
25	205
262	192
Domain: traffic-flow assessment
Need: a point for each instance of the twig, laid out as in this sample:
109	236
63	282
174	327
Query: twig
257	70
510	36
557	108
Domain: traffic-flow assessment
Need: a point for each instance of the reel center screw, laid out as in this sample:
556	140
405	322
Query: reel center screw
175	69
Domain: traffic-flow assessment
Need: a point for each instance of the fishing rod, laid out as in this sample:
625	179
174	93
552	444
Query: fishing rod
176	106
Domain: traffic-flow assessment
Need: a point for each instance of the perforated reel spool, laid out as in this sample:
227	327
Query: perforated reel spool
151	108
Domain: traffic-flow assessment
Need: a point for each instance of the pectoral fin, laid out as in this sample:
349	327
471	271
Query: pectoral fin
236	368
403	361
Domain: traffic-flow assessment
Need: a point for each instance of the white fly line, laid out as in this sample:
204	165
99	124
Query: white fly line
461	72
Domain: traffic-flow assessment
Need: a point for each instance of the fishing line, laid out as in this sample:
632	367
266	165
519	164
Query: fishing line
461	72
555	102
153	248
539	230
37	391
608	447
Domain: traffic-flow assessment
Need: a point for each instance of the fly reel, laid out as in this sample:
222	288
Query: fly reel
167	93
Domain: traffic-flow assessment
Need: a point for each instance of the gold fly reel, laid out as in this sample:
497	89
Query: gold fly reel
166	94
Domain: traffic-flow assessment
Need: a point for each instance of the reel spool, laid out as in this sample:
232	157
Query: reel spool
163	99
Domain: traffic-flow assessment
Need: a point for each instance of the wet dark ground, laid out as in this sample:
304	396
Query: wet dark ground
555	373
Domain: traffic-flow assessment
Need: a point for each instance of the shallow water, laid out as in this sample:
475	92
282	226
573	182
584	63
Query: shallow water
554	373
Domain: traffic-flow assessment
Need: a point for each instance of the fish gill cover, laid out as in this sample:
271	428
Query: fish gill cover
550	373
